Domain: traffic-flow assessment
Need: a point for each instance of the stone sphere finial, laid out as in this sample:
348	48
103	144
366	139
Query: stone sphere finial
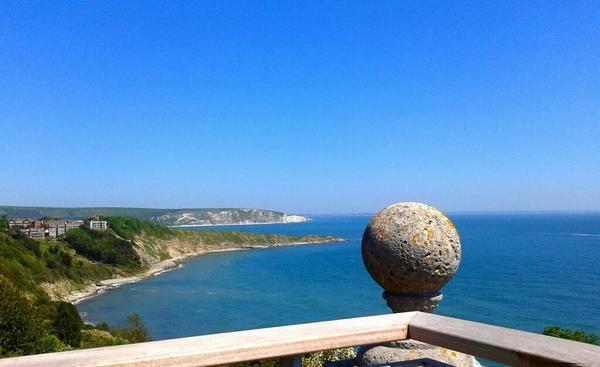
411	250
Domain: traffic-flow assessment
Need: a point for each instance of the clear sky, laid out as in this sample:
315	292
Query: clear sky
305	107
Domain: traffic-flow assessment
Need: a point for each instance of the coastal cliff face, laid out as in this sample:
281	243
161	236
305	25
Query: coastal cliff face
211	217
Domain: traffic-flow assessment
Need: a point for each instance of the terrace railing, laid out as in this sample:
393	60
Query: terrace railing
508	346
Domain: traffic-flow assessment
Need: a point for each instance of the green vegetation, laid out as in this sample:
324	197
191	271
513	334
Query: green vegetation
3	223
21	330
95	338
578	336
135	330
103	246
218	238
28	264
318	359
68	324
84	255
33	274
129	227
29	321
81	256
30	328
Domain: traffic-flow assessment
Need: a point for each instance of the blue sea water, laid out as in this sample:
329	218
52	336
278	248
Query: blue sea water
523	271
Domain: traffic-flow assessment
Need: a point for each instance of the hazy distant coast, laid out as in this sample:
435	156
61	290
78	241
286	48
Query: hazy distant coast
166	217
287	219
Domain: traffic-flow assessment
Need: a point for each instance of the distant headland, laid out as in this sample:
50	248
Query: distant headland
165	217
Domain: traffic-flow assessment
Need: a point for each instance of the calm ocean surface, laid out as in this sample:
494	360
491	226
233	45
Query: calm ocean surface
522	271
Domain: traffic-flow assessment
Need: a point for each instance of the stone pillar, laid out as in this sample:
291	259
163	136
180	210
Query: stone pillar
411	250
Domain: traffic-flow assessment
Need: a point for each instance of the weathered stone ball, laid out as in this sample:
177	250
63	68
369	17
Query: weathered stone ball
411	249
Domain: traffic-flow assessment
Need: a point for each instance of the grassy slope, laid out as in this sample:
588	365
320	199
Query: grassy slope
29	264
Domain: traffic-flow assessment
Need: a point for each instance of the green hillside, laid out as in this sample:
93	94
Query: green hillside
37	276
131	246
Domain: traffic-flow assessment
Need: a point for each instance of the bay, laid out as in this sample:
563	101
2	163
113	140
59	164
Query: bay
523	271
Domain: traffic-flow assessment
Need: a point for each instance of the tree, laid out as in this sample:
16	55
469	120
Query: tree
135	330
20	326
68	324
3	223
578	336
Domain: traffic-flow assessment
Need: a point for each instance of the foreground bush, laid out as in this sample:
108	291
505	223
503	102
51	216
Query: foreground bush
578	336
94	338
134	331
318	359
21	327
68	324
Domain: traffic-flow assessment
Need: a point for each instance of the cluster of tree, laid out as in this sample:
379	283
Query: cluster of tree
3	223
129	227
577	335
103	246
30	328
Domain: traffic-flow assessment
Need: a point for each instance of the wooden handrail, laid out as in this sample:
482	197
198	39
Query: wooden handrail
509	346
241	346
504	345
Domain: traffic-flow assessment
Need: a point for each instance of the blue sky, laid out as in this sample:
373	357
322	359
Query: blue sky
311	107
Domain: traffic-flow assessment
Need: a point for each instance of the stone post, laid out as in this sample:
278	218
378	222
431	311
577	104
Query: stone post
411	250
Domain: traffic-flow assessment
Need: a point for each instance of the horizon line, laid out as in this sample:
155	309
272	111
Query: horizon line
356	213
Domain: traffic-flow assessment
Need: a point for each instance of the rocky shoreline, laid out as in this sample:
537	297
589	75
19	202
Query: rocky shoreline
92	290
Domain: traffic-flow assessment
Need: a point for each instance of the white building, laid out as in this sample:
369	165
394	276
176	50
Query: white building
98	224
70	224
56	231
57	228
35	233
20	223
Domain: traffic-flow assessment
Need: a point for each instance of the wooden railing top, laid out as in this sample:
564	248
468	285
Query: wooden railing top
241	346
508	346
504	345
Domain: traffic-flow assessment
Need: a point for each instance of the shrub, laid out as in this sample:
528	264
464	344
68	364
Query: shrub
68	324
135	330
578	336
99	338
129	227
21	329
319	359
50	343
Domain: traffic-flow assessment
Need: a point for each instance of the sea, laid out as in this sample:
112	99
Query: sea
523	271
